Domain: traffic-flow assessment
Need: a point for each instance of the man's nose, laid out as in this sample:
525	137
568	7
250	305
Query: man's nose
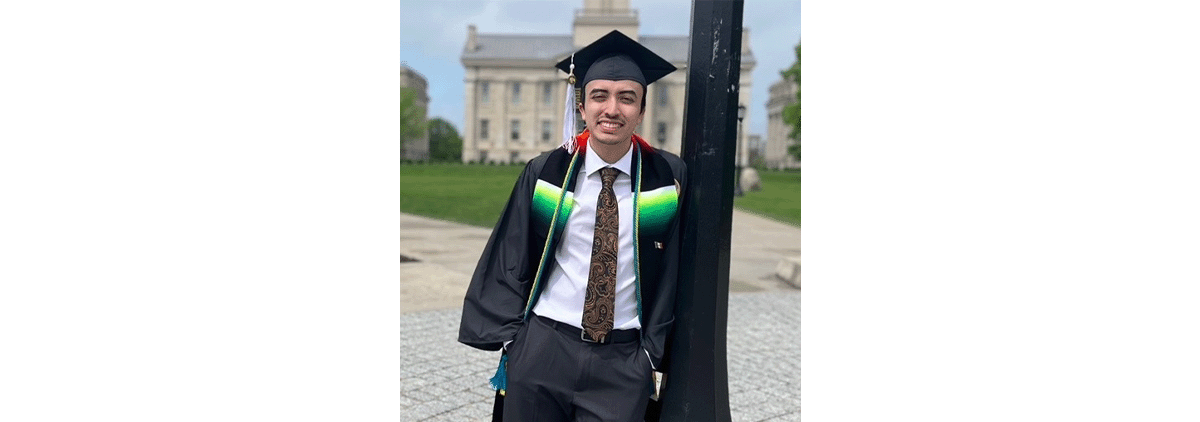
610	108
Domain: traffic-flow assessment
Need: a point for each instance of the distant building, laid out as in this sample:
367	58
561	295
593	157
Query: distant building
782	93
514	95
418	149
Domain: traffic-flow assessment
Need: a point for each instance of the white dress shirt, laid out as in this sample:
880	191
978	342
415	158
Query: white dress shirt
562	298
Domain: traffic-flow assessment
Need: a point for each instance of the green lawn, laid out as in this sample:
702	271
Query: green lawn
469	194
779	198
475	194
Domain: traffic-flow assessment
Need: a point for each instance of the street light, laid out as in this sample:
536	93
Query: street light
737	187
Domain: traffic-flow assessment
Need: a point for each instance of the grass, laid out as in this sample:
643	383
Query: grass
468	194
779	198
475	194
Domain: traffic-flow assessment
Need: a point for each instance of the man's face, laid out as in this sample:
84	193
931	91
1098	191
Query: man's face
612	109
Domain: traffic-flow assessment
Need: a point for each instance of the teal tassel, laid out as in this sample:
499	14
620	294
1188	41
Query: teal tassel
500	380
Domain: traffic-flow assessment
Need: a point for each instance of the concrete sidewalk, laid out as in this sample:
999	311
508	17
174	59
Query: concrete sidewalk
447	253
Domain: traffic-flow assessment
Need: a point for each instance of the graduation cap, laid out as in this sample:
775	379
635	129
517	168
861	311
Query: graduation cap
616	57
613	57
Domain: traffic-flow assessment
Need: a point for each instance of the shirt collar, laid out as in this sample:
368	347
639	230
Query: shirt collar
593	163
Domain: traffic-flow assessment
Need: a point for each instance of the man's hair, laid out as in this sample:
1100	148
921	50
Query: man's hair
645	93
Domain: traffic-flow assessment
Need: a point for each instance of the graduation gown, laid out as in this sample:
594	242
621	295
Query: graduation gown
519	255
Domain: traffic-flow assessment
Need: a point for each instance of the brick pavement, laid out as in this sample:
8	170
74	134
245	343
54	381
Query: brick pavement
443	380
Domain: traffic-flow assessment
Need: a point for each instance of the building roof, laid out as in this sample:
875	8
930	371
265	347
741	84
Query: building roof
552	48
528	47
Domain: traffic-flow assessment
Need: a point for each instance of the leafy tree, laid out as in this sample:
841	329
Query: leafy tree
412	118
791	113
444	142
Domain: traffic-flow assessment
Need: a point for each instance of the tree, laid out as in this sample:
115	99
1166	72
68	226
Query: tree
791	112
412	118
444	142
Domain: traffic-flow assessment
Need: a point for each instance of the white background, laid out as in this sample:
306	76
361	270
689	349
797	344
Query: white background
1001	205
198	211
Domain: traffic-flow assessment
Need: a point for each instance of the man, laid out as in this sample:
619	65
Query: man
577	282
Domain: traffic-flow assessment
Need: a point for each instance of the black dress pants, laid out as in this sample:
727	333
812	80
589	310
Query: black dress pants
556	377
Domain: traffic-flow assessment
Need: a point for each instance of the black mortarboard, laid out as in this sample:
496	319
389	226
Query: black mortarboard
616	57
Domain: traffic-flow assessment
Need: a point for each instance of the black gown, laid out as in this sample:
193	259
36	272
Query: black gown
520	252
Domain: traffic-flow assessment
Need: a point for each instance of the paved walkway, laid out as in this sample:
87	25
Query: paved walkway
443	380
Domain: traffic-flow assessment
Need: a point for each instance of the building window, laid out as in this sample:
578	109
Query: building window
545	131
514	157
516	129
516	93
483	128
485	93
662	94
482	157
661	133
547	92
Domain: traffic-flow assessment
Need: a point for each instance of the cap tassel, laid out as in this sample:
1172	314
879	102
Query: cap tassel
569	112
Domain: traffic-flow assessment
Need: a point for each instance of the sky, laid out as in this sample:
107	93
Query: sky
432	35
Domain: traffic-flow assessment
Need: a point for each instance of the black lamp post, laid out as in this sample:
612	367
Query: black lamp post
697	384
737	186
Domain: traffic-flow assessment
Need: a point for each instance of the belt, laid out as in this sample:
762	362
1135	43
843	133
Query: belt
614	336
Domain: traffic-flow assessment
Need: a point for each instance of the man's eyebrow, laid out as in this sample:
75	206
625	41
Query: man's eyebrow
605	91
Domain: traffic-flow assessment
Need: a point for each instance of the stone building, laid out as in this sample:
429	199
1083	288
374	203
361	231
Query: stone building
418	149
514	102
782	93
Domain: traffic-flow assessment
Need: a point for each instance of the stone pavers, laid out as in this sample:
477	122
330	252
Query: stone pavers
443	380
763	353
440	378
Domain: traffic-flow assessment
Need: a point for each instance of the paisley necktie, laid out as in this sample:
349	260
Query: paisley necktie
600	299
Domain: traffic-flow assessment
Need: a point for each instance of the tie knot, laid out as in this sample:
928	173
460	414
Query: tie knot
607	175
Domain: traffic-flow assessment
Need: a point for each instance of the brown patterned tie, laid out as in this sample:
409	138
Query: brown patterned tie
601	296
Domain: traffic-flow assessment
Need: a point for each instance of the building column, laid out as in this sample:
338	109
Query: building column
470	115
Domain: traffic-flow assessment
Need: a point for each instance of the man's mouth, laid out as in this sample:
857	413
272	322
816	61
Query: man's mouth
609	125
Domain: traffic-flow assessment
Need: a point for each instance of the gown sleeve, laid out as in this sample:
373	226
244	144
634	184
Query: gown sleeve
494	305
661	318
